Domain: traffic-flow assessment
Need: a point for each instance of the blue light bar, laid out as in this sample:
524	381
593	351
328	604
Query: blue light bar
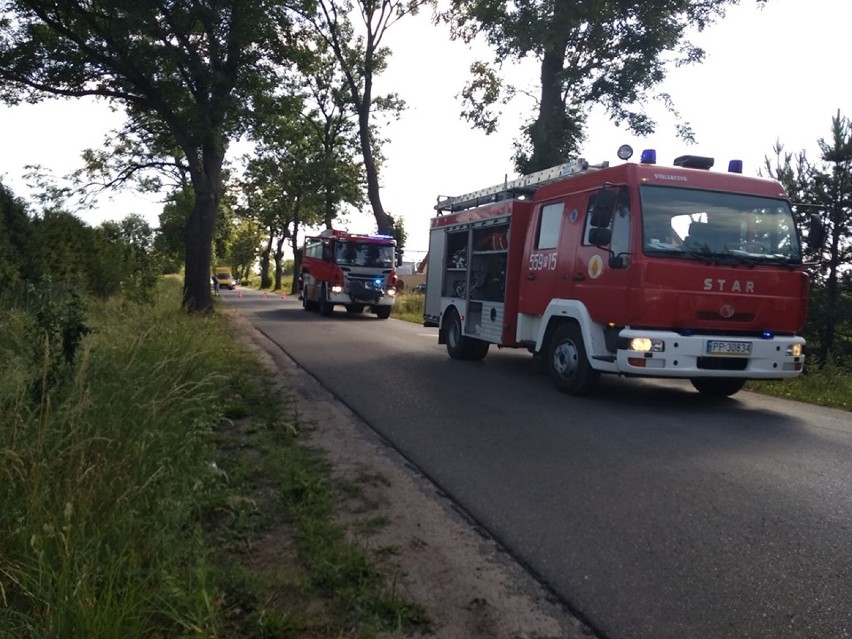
735	166
649	156
768	335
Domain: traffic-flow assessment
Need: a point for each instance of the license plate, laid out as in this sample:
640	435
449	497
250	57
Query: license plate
718	347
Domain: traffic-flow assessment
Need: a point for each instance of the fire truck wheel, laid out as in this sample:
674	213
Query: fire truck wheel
326	308
569	366
717	386
382	312
459	346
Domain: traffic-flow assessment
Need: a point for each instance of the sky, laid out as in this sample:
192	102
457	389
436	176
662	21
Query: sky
771	74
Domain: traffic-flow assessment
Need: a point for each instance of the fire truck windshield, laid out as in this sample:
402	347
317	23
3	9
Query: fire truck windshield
365	254
696	224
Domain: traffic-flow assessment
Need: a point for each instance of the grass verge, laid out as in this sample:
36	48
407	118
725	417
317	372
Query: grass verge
137	485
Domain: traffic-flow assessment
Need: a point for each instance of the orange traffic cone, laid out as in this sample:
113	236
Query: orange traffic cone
265	294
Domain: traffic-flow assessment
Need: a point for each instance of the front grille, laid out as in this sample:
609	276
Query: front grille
715	317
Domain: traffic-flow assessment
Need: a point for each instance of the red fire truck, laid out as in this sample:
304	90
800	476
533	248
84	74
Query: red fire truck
355	271
635	269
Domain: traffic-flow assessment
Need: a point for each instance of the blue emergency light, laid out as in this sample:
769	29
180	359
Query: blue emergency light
649	156
735	166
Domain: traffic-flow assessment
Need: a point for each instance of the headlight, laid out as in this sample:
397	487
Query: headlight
647	345
794	350
391	292
337	289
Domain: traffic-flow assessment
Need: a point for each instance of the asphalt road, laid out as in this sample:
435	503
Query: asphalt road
651	511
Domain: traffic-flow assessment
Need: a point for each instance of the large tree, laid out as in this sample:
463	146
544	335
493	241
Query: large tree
825	188
609	53
192	66
361	57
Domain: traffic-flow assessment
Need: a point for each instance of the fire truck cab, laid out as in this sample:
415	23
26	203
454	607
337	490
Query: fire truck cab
636	270
350	270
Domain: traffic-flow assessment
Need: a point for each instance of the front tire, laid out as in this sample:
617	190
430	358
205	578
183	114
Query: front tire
459	346
326	308
382	312
717	386
568	363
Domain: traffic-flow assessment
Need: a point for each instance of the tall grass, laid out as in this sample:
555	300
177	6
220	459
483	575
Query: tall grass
100	479
829	386
409	307
136	470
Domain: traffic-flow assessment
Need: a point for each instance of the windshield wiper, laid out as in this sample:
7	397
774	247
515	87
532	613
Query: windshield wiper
703	252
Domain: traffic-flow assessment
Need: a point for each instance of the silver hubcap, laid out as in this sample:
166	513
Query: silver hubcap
565	358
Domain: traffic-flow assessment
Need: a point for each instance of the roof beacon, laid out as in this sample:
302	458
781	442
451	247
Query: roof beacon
735	166
694	162
649	156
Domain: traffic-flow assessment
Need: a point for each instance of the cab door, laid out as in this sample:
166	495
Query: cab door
602	264
549	257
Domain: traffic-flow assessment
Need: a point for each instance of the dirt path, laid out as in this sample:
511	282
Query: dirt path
470	587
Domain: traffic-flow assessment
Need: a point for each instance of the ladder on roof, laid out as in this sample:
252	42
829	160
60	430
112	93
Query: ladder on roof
522	186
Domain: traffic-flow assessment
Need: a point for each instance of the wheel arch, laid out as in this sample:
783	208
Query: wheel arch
558	312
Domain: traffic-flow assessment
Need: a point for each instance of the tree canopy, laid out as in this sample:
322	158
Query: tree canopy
194	68
599	52
824	188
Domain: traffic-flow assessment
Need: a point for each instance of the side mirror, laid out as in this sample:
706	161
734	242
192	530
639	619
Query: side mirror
601	214
618	261
600	236
816	232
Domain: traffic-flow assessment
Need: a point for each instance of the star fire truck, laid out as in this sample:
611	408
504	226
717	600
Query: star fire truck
635	269
355	271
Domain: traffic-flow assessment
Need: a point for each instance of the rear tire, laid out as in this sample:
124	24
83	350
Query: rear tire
568	363
717	386
382	312
459	346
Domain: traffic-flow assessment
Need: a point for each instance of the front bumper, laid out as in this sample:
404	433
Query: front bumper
688	357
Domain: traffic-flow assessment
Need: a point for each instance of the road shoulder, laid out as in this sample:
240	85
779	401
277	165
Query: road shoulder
469	586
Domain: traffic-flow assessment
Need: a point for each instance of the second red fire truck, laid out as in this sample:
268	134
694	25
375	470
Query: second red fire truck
349	270
636	269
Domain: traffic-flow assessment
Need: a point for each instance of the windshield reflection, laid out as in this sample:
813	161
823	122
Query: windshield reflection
363	254
698	224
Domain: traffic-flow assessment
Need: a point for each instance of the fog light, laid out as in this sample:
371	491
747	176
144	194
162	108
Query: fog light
647	345
794	350
337	289
391	292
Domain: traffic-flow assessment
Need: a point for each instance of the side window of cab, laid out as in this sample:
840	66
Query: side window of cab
608	223
549	226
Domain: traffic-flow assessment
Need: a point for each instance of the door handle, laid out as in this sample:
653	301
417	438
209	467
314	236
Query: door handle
531	276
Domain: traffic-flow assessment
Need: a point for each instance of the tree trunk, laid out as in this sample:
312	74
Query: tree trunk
547	132
279	257
265	280
384	222
197	296
297	252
